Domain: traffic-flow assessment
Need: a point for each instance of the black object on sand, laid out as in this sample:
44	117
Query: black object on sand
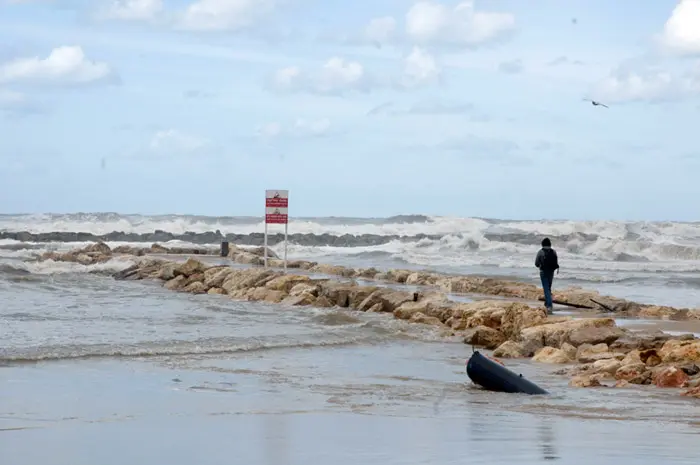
495	377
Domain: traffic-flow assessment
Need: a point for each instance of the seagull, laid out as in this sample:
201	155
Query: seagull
593	102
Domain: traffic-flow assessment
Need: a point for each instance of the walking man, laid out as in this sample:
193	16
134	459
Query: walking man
547	261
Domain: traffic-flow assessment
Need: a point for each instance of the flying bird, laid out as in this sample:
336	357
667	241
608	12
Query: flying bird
595	103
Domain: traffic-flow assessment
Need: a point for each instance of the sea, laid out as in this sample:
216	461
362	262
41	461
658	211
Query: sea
99	371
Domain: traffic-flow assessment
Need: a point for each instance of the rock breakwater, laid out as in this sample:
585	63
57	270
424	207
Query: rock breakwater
215	237
593	350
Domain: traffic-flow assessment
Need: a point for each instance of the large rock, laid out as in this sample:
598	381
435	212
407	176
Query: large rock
670	377
345	295
551	355
635	373
196	287
484	336
190	267
680	351
247	279
586	353
215	276
518	316
555	334
433	305
177	283
654	339
600	335
606	366
390	299
286	282
586	381
512	349
425	319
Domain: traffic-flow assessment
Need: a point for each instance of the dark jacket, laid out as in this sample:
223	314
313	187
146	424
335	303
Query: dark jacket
539	259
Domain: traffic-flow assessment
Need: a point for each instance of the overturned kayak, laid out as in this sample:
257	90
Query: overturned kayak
495	377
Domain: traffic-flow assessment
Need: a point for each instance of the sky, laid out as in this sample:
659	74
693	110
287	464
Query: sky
362	108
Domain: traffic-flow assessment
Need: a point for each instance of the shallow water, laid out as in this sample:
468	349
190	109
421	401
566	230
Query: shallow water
99	371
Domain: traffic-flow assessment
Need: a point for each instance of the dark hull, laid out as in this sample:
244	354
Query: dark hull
495	377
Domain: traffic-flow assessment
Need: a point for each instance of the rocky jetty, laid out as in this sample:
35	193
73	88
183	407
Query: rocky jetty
215	237
593	351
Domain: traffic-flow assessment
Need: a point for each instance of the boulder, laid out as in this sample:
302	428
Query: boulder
286	282
190	267
512	349
419	317
551	355
300	299
586	353
196	287
555	334
607	366
484	336
215	276
390	299
345	295
680	351
586	381
518	316
216	291
599	335
177	283
635	373
670	377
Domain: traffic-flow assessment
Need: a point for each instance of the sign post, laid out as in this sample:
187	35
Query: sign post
276	212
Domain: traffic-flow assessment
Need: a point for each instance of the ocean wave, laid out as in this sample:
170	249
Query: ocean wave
49	267
213	346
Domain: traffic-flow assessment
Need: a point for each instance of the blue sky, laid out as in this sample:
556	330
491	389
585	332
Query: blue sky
358	108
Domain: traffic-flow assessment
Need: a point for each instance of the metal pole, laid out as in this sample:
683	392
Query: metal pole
265	251
286	228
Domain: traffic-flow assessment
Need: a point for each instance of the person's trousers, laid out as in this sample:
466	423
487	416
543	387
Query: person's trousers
547	277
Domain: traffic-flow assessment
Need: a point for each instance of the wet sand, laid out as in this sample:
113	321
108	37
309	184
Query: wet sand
394	403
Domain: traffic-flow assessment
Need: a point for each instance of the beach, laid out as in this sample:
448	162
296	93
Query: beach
105	370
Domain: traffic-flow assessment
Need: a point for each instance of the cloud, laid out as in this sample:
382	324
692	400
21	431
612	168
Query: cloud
511	67
301	128
563	60
336	76
681	33
132	10
646	83
429	22
420	68
172	140
16	104
380	30
431	108
66	65
224	15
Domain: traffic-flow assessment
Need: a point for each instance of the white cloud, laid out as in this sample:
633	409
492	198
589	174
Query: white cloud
172	140
301	128
224	15
419	68
380	30
65	65
682	30
336	76
647	84
133	10
511	67
429	22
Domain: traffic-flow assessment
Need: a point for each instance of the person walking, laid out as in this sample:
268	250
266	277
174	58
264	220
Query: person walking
547	261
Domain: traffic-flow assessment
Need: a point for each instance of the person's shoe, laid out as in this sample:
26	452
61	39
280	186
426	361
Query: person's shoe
550	311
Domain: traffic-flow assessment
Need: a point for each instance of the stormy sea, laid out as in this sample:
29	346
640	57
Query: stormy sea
99	371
